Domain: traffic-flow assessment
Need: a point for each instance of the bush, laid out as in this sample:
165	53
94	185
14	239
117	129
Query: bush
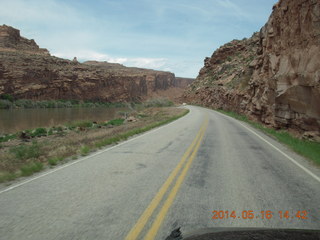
7	97
5	104
25	103
38	132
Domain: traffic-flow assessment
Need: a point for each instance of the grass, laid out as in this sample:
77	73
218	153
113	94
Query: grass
126	135
55	160
308	149
38	132
7	176
31	168
84	150
24	152
8	137
115	122
158	102
80	124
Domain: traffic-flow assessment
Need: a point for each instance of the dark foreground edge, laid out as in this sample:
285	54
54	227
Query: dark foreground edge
246	234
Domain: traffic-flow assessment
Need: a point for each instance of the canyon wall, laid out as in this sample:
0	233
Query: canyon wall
272	77
27	71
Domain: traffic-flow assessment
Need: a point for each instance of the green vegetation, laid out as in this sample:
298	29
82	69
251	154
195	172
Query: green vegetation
55	160
23	152
84	150
79	124
7	176
158	102
7	97
31	168
39	132
8	137
305	148
7	101
130	133
115	122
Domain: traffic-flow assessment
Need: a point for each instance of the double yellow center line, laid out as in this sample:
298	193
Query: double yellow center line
183	168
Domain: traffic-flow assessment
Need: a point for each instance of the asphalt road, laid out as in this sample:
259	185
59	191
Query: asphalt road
173	176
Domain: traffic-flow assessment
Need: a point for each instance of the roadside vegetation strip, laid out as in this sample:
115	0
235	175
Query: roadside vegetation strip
308	149
24	159
126	135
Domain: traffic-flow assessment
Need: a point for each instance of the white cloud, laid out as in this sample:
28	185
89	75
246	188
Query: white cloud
180	67
39	11
152	63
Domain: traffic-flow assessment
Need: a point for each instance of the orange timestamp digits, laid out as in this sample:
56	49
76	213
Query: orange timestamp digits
250	214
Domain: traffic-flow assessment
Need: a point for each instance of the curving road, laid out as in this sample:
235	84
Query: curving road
173	176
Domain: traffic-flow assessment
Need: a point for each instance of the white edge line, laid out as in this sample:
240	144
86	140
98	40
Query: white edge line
85	158
284	154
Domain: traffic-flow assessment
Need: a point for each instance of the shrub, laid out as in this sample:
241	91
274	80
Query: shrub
7	97
5	104
38	132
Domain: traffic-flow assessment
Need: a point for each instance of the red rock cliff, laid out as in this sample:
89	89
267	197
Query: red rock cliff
27	71
274	76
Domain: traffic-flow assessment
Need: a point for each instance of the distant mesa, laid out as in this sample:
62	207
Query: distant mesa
30	72
11	40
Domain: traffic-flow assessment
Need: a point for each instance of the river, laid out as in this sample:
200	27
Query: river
14	120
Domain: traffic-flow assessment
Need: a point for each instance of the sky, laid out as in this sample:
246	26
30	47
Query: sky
168	35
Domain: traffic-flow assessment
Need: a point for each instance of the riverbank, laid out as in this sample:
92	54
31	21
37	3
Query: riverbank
16	119
8	102
35	150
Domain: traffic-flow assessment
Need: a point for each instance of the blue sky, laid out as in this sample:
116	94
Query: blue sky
170	35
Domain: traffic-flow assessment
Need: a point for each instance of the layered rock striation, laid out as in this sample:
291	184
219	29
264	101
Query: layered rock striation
27	71
272	77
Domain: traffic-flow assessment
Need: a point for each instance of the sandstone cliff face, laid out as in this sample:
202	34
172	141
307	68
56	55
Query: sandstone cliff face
274	76
183	82
27	71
